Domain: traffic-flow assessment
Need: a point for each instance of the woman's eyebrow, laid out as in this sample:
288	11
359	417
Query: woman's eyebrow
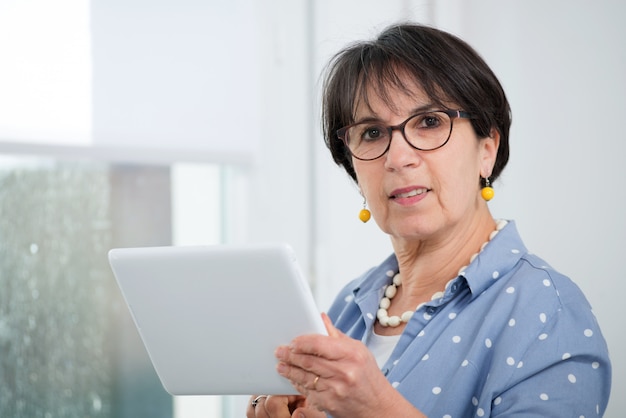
368	118
424	108
373	116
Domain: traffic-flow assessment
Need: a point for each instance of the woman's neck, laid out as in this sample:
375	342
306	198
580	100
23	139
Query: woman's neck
427	265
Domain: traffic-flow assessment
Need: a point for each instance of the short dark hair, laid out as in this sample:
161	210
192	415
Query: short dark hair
446	67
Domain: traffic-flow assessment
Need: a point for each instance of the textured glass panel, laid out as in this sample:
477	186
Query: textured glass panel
67	345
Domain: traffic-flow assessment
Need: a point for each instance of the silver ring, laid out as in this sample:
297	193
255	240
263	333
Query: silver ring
256	400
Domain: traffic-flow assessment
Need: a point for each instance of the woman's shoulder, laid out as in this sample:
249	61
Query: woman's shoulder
534	273
522	273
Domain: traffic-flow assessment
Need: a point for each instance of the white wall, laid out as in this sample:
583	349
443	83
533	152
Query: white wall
176	76
45	68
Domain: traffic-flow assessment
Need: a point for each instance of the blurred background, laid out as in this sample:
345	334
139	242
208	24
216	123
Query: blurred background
162	122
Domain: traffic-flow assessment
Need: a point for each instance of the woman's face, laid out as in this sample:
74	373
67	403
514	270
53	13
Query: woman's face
412	194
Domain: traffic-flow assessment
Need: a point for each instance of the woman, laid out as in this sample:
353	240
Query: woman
461	320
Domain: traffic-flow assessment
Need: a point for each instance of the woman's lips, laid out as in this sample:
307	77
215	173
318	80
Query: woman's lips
408	192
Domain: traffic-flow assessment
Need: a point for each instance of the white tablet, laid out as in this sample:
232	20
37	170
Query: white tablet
211	317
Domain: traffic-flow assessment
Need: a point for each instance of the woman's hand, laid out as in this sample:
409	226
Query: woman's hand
274	406
336	373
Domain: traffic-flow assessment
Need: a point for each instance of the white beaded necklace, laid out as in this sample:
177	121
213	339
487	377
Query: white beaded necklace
390	290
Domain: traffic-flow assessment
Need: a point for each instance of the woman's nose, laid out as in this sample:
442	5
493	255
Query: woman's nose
400	153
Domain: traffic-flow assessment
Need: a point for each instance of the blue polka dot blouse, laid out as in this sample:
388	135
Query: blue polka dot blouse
510	336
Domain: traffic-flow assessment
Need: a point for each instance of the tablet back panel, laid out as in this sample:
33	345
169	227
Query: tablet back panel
211	317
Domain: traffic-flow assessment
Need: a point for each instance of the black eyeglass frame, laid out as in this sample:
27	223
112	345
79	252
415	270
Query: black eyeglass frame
453	114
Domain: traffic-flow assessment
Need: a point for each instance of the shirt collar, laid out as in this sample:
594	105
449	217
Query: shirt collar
498	258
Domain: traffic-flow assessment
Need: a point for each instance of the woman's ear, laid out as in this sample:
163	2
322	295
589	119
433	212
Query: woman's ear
489	152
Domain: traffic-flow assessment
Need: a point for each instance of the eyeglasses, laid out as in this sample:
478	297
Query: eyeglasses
424	131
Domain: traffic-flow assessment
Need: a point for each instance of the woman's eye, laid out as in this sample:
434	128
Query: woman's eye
430	121
371	133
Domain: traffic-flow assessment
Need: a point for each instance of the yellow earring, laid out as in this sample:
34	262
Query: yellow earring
364	214
487	192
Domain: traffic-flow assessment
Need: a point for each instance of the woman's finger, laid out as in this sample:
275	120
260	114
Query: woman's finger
271	406
330	328
281	406
309	412
303	380
255	407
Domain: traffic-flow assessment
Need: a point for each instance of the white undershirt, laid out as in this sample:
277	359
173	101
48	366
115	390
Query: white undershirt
381	346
